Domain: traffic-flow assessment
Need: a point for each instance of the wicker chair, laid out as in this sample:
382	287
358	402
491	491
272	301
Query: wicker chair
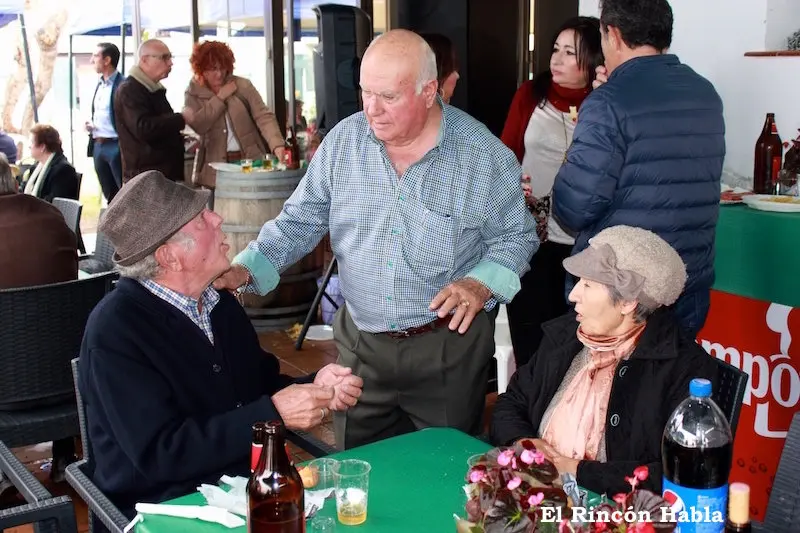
730	392
42	330
101	509
102	259
48	514
71	210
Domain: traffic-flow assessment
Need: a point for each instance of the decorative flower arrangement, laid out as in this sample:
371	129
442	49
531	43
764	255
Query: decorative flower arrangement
514	490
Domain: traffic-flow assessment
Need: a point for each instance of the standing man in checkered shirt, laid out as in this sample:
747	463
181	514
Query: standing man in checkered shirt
430	230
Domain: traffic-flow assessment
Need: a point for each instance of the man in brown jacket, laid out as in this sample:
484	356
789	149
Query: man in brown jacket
36	246
148	128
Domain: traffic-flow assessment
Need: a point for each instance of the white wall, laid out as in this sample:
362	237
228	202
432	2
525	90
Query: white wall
712	36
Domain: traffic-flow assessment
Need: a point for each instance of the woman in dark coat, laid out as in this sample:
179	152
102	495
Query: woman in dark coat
52	176
597	394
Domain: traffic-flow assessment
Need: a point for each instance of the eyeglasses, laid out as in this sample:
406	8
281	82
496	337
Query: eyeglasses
162	57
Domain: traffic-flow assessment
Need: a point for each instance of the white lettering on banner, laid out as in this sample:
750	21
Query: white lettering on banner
780	384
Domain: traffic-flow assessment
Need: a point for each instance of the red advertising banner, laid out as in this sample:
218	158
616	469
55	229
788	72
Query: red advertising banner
759	338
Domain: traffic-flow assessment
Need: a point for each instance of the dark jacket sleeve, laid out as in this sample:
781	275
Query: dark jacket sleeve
133	106
162	444
609	477
584	186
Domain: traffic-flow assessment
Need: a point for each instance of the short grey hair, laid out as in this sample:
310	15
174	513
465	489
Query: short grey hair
640	314
428	70
8	183
148	267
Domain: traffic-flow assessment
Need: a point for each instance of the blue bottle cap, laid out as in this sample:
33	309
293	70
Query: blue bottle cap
700	387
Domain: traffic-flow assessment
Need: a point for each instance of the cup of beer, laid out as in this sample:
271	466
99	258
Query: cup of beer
247	165
351	480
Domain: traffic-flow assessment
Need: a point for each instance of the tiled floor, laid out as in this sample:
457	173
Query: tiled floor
313	356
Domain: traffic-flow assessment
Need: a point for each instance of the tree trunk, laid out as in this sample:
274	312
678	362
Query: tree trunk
47	39
17	82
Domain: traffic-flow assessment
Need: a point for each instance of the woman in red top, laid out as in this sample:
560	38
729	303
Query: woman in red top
539	130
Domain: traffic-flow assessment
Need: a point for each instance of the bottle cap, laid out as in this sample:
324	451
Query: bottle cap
700	387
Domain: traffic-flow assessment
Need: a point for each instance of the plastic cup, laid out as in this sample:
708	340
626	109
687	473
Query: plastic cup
351	479
324	470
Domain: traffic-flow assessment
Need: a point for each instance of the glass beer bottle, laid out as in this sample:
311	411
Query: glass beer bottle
275	498
259	429
768	158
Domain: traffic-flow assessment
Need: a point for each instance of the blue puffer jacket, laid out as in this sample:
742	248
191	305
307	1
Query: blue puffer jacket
647	152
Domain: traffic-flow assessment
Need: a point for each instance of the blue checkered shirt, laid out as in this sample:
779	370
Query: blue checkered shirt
188	306
458	212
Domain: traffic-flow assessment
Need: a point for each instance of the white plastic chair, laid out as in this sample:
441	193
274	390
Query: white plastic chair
503	351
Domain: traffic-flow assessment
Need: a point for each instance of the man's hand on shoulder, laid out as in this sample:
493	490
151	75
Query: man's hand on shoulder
303	406
232	279
346	386
465	297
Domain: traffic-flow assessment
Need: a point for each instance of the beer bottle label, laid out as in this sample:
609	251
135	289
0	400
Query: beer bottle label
695	510
776	168
255	455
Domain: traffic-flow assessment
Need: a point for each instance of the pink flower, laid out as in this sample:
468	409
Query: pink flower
513	483
620	498
599	527
641	473
535	499
633	482
529	457
642	527
476	475
505	457
564	526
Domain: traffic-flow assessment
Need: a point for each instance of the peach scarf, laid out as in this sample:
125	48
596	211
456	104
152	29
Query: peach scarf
577	423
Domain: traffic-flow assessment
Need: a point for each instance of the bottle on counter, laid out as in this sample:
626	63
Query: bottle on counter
696	456
291	152
738	509
275	495
768	158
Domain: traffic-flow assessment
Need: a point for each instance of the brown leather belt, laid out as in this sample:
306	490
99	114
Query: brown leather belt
234	156
101	140
419	330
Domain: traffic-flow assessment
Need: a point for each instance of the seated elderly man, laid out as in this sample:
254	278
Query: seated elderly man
171	370
597	394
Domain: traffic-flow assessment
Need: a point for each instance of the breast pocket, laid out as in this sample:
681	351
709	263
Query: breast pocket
429	242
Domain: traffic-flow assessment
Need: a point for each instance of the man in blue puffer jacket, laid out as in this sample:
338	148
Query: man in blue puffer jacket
648	149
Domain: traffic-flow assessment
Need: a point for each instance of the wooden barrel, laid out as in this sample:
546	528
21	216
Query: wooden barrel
245	202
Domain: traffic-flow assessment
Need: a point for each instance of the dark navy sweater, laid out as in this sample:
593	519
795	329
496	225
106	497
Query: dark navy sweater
166	409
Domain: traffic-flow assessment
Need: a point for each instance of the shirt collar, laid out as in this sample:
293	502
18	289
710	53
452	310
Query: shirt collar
111	79
209	298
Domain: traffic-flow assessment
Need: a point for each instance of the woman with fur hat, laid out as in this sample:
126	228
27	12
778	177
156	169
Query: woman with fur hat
597	394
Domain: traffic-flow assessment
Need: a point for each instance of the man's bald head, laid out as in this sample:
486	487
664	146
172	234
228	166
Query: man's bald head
404	49
155	59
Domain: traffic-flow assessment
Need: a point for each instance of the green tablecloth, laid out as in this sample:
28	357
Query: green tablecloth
415	486
758	254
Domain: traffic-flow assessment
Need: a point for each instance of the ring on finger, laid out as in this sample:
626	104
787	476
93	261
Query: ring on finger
464	303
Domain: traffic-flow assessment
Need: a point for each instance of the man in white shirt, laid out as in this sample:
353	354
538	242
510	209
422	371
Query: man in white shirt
103	141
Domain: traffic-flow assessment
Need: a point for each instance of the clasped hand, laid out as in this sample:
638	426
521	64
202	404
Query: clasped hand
304	406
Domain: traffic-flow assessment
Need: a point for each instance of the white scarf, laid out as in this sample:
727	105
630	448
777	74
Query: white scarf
36	180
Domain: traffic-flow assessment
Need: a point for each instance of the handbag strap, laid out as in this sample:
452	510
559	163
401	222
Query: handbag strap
250	114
